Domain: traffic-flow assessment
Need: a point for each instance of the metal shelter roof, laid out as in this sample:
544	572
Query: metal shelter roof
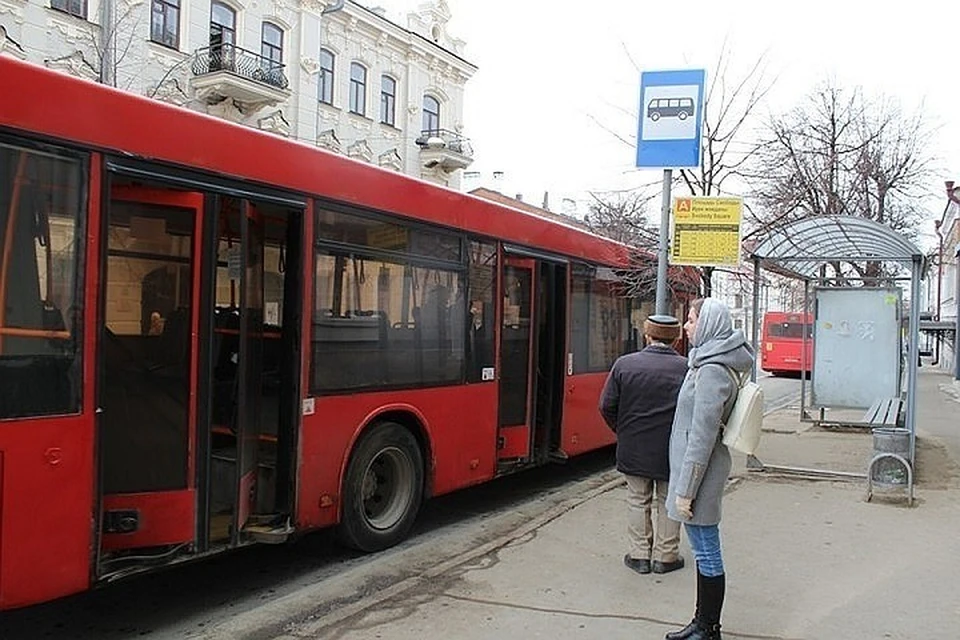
800	247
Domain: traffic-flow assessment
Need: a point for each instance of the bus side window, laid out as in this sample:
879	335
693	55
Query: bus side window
40	205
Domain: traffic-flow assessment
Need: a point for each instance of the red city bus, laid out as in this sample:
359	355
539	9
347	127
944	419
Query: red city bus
212	336
783	343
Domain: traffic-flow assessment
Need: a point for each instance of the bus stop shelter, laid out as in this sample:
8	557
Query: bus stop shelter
798	250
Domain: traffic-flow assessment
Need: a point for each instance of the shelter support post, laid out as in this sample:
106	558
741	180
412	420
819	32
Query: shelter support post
914	355
754	330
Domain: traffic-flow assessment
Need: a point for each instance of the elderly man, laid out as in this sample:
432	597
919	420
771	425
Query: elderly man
638	403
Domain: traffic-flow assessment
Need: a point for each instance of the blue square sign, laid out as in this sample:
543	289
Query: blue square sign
671	118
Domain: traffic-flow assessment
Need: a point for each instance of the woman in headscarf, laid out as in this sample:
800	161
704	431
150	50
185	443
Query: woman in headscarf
699	461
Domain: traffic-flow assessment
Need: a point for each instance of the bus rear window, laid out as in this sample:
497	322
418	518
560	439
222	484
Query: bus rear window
788	330
40	204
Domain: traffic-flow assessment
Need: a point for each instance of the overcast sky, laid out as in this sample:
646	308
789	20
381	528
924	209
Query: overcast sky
547	69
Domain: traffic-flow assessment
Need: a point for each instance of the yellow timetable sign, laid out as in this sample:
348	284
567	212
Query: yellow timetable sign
706	231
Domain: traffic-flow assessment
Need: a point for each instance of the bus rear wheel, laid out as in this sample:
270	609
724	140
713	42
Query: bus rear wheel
383	488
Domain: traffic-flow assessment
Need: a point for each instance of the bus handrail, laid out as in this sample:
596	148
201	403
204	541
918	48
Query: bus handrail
16	332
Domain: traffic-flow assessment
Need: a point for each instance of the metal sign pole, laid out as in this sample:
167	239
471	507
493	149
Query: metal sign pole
663	249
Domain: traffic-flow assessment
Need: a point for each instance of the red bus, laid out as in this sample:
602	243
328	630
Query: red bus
212	336
783	343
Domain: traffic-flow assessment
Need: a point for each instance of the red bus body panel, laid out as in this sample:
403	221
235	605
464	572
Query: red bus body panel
583	429
48	497
151	129
460	422
47	508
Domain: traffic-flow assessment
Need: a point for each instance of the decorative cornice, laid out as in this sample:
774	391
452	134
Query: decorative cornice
310	65
390	159
74	64
360	150
9	46
15	10
328	140
275	123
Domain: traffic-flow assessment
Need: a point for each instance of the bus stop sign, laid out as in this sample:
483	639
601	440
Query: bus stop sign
670	119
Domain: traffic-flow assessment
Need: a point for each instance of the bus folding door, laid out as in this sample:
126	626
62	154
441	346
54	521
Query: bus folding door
148	367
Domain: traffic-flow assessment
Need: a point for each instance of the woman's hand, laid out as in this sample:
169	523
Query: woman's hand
685	507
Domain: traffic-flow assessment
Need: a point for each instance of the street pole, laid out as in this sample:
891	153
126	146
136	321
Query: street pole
663	248
956	331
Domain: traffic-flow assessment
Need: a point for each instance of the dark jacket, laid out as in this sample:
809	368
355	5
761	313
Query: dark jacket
638	403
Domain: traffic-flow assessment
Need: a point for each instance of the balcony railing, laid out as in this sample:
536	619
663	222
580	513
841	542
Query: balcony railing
452	141
246	64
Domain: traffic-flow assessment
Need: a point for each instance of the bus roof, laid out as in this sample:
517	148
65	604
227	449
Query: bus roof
52	104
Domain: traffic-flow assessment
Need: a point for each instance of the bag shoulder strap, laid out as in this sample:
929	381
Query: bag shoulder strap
739	379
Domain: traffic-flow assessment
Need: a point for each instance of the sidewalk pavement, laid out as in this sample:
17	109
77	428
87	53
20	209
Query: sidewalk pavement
806	559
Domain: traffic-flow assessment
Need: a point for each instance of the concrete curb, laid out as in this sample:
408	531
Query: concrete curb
250	624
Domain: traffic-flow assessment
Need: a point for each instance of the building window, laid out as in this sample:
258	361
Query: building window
388	100
165	23
431	116
326	76
223	26
358	88
271	45
223	37
76	8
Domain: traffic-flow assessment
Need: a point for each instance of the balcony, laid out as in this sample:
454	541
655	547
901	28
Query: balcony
447	150
227	71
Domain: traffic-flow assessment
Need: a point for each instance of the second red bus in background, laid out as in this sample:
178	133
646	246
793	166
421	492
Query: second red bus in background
783	343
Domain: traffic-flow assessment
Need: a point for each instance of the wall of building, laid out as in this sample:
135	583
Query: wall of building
950	229
421	56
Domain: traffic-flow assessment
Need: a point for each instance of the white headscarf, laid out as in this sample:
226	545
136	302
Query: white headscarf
713	323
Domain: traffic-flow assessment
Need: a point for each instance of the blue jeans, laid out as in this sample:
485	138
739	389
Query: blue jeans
705	543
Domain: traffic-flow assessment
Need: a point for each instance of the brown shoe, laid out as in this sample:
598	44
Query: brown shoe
640	566
667	567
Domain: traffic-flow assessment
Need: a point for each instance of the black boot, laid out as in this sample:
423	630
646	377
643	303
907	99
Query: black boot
694	626
706	621
686	633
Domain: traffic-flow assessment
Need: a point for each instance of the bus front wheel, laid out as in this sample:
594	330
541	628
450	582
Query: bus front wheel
383	488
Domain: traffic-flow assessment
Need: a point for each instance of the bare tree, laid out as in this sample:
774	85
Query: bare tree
728	142
841	153
119	29
623	216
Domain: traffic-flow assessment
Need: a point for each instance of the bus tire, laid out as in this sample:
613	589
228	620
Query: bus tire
383	488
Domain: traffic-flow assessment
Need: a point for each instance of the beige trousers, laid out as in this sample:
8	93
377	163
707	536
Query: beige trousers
646	542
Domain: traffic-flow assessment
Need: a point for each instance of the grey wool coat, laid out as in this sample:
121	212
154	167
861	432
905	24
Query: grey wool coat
699	461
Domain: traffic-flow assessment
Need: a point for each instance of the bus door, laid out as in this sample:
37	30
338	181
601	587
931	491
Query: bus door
147	370
532	363
516	360
255	370
551	330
